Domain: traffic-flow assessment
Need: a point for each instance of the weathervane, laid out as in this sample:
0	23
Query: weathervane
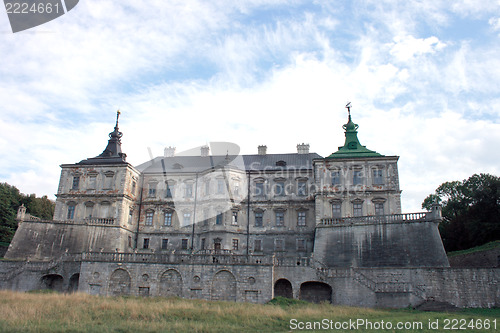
348	107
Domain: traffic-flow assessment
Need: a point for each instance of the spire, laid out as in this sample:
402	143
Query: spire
352	147
113	152
114	147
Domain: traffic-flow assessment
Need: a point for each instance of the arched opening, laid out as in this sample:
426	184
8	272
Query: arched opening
223	287
52	282
283	288
73	283
171	283
119	283
316	292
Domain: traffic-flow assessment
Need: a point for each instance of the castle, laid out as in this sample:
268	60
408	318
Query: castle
214	224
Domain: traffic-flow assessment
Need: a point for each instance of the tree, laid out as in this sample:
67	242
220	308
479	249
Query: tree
471	211
10	200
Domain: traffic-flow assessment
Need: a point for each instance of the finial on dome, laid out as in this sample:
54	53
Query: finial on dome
117	116
348	107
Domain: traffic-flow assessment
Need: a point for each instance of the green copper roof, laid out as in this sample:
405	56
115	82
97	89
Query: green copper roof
352	147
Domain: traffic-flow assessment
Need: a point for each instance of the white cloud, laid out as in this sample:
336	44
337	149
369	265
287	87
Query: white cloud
186	73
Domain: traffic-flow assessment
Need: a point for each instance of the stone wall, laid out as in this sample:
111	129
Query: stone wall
399	244
246	283
260	282
488	258
51	239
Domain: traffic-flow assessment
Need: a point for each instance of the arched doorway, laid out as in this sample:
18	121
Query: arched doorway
283	288
223	287
171	283
315	292
73	283
52	282
119	283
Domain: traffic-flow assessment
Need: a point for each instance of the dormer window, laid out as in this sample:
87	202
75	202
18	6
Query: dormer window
281	163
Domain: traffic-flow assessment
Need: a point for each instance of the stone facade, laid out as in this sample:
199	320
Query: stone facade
224	226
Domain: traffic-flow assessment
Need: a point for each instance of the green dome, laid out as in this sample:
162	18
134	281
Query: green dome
352	148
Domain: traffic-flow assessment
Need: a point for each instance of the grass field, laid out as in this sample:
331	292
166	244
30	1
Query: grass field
52	312
484	247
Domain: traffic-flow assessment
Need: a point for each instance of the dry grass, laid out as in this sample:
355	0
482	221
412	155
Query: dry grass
29	312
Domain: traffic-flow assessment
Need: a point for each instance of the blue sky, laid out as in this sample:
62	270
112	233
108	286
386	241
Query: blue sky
423	78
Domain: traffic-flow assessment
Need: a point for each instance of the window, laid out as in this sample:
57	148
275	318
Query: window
164	243
89	209
257	245
168	191
357	177
301	219
357	209
187	218
168	219
184	244
152	190
207	187
234	220
218	218
149	218
220	186
71	211
335	177
336	210
108	180
279	188
76	183
189	190
301	244
377	177
92	182
379	208
130	215
134	185
280	219
279	245
259	219
235	245
203	241
302	188
236	191
259	189
145	244
205	217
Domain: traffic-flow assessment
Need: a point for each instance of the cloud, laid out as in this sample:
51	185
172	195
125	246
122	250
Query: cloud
256	72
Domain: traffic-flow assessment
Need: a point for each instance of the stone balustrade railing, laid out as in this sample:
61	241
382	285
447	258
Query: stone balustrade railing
377	219
177	258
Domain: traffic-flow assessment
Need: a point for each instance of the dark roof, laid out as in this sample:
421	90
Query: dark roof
112	154
241	162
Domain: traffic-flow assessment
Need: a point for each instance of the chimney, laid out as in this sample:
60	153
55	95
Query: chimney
204	151
303	148
262	150
169	151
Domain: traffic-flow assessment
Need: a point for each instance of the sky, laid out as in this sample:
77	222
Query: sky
423	78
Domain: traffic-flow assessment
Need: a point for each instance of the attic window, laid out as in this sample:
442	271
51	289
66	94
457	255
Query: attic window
177	166
281	163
